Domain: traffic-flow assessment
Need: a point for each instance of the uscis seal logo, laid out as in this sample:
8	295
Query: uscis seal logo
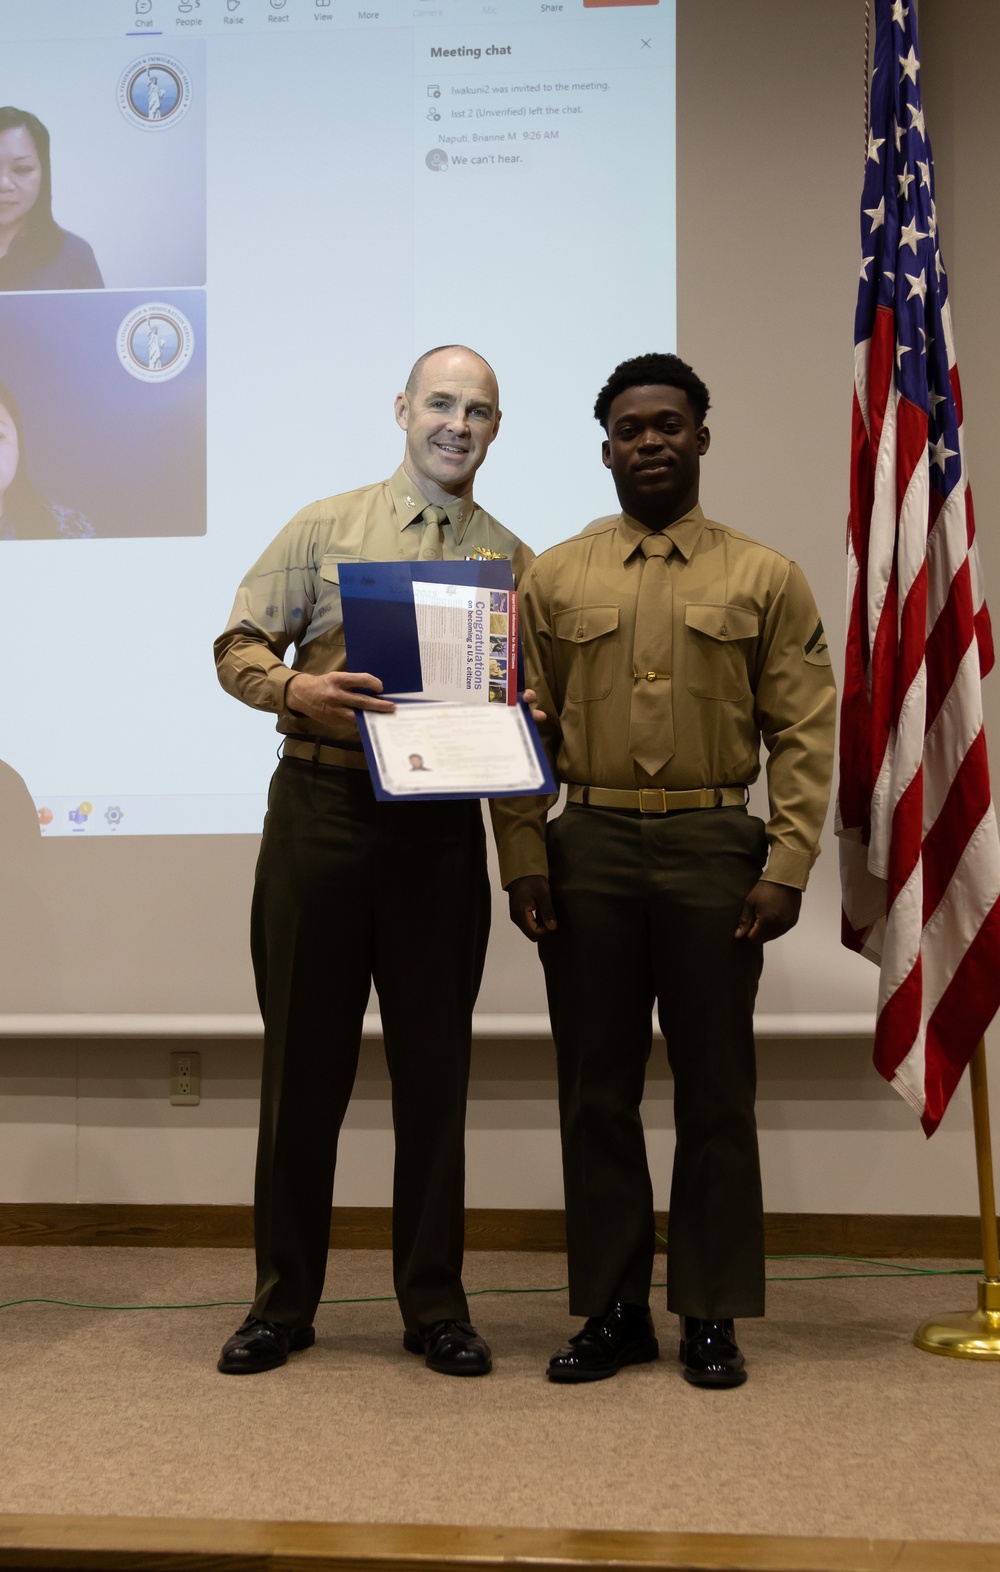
155	342
154	92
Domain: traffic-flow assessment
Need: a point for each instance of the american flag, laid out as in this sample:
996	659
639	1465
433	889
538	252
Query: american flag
920	856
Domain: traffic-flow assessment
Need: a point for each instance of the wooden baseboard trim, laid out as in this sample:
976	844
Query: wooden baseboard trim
121	1544
370	1228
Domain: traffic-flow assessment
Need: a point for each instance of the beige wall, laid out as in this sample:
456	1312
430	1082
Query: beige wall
92	1122
770	121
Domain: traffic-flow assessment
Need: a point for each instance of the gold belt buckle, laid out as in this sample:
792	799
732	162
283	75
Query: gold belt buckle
653	791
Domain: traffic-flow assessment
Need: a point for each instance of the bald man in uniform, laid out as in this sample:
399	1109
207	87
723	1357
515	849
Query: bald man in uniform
351	891
664	648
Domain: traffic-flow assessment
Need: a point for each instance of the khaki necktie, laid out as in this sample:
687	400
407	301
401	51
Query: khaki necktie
432	539
651	719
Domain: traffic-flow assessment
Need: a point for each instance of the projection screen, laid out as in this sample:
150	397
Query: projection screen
271	208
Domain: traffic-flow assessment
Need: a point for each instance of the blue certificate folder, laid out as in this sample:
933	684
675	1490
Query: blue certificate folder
380	621
380	631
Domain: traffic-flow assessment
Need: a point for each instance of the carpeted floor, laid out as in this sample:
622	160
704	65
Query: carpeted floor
843	1428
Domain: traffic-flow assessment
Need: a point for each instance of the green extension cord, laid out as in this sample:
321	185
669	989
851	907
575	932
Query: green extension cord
374	1299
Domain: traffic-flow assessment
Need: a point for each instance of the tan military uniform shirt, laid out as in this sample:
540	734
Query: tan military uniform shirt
291	594
750	663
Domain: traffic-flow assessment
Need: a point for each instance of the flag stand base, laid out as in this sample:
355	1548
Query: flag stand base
974	1335
977	1334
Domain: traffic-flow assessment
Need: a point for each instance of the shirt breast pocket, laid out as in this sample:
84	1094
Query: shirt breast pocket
328	606
717	650
329	568
586	650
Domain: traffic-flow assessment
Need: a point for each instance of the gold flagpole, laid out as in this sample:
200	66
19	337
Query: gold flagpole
976	1334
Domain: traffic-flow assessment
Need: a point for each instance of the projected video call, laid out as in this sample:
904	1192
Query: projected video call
225	235
102	219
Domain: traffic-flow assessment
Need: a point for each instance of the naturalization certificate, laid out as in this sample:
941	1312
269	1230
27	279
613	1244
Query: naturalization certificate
455	750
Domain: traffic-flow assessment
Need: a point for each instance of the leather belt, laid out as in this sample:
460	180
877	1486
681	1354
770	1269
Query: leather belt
316	752
653	799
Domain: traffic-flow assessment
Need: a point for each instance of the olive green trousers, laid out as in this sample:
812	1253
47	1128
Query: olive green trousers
351	891
646	907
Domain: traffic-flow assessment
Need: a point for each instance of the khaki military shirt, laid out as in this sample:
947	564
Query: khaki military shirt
750	664
292	596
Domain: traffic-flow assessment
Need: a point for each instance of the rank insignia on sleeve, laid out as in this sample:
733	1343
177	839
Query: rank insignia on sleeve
816	650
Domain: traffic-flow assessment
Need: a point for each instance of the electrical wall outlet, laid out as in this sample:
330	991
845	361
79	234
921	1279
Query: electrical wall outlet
185	1079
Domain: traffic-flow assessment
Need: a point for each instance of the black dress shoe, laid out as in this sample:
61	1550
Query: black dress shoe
450	1348
622	1336
710	1353
262	1345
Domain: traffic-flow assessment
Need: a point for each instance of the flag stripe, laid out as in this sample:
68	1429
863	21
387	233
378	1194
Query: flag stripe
964	1007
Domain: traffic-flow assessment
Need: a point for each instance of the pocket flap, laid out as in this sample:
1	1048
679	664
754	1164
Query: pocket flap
329	568
580	624
722	622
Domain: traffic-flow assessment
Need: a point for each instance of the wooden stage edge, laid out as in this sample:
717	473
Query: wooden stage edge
369	1228
110	1544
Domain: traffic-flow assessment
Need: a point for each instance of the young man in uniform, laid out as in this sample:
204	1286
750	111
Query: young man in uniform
664	648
